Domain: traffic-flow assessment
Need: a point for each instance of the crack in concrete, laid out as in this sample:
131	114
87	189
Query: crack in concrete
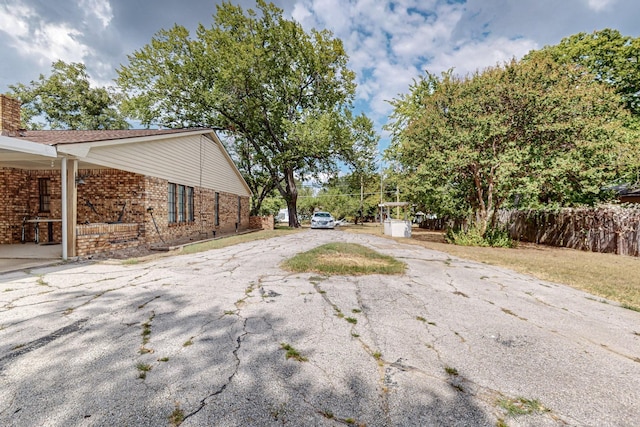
203	402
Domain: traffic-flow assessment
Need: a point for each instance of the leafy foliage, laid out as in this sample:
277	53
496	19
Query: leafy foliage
66	100
529	133
494	237
609	56
282	94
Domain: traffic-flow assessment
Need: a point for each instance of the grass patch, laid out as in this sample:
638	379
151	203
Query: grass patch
343	259
630	307
143	368
521	406
451	371
292	353
236	239
131	261
604	275
177	417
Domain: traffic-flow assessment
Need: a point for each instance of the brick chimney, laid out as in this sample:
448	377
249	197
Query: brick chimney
9	116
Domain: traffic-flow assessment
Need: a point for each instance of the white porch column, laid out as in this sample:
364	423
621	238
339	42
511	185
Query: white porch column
69	207
63	202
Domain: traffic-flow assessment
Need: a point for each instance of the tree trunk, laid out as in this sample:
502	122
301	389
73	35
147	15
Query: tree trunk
291	197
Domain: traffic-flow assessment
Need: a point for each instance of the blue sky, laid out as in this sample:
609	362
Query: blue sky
389	43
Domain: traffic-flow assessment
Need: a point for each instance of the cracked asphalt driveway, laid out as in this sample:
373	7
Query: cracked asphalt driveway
197	339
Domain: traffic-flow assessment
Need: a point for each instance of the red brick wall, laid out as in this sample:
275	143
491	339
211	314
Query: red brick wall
106	238
9	115
262	222
19	198
204	206
108	191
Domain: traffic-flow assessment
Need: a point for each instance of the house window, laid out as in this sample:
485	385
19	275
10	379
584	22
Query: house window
191	207
171	203
180	203
44	194
217	211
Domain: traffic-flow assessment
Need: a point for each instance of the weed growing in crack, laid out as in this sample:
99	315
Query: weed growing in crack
356	310
130	261
188	342
521	406
17	347
322	292
146	329
143	368
249	289
229	312
421	319
352	320
377	355
68	311
327	414
349	420
41	281
145	350
353	334
432	323
176	417
501	423
163	359
636	333
8	290
451	371
292	353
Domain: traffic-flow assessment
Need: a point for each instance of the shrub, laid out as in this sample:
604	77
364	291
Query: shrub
494	237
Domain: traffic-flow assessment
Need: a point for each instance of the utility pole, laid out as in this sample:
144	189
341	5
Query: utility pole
361	196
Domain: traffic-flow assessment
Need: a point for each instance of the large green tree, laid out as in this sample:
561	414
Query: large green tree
609	56
529	133
66	100
283	93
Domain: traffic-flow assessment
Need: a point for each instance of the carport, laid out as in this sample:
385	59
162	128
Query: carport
27	155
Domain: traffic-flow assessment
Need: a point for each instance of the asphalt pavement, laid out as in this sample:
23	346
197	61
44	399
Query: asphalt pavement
199	340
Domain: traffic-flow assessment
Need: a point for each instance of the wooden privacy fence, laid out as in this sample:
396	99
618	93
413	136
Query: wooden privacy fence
610	229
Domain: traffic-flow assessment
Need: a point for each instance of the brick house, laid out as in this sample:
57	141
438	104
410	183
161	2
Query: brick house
105	190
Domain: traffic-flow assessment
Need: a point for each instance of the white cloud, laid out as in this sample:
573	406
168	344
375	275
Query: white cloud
97	9
43	42
600	5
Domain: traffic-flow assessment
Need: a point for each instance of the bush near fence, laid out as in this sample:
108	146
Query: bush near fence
608	229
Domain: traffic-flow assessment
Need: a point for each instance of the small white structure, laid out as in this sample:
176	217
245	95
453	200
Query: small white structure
396	227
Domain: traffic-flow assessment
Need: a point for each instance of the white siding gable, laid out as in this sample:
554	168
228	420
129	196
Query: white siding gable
193	160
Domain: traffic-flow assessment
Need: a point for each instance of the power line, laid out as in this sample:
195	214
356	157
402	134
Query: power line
346	194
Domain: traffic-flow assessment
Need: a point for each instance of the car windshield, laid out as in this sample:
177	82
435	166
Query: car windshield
322	214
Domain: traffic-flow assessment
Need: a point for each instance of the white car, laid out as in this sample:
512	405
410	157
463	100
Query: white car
322	220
